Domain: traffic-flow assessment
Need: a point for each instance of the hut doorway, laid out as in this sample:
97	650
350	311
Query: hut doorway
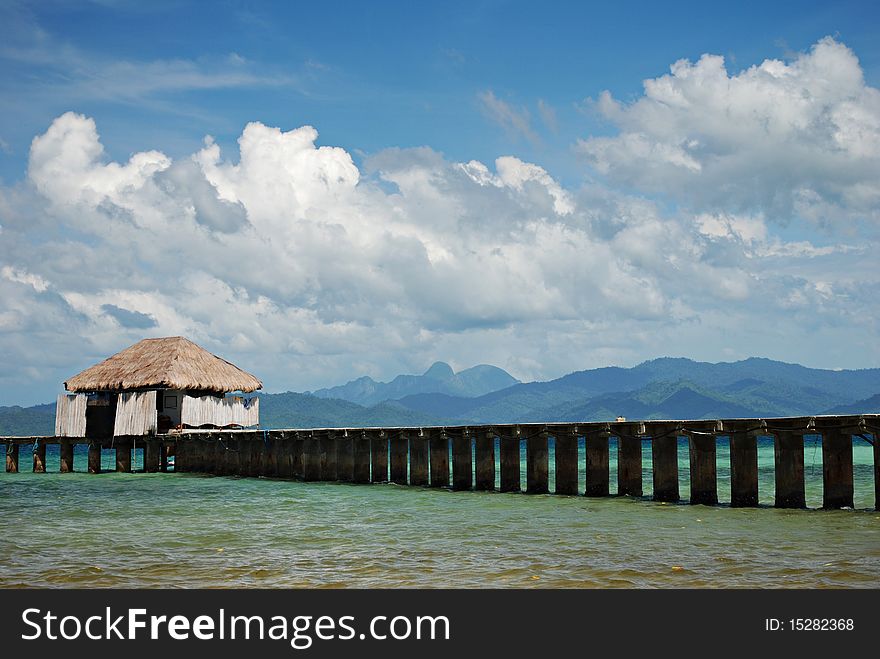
101	415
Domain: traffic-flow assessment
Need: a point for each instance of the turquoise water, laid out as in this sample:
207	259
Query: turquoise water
187	530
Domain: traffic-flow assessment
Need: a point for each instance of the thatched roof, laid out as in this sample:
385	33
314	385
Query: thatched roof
173	362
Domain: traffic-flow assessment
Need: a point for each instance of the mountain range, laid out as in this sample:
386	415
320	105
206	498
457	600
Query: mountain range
665	388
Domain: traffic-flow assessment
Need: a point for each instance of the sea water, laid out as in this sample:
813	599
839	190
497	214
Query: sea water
190	530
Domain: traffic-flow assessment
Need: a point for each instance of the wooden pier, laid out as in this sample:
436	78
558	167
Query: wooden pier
465	457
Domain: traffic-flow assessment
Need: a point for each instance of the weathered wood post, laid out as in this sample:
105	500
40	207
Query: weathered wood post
379	461
418	458
123	454
597	456
743	465
484	451
12	452
284	454
345	457
629	458
462	462
439	458
788	453
65	454
509	460
702	449
94	457
664	455
40	457
837	469
566	460
328	456
298	455
233	455
399	451
362	458
876	436
163	457
311	452
537	467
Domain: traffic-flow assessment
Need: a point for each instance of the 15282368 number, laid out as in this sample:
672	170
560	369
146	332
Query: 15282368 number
821	624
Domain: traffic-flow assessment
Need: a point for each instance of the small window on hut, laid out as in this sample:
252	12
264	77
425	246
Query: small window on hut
171	402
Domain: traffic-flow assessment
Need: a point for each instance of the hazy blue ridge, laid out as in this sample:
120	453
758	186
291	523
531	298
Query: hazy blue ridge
440	378
867	406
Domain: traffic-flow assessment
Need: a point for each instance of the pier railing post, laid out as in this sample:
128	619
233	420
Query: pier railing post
65	455
596	449
345	457
537	477
462	463
40	457
629	459
439	458
484	450
788	453
837	469
566	459
399	454
12	453
418	458
664	456
743	465
702	451
508	443
379	459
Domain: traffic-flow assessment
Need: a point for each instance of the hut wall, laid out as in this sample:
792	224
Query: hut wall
219	412
136	414
70	415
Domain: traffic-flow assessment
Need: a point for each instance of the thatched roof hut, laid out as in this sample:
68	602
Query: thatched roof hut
167	363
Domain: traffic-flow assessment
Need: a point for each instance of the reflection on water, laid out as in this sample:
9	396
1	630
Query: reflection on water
143	530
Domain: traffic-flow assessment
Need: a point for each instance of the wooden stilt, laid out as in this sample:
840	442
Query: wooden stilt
509	461
704	479
123	454
566	461
65	454
12	453
399	455
664	452
298	459
418	458
379	461
743	469
328	456
789	461
629	465
40	457
362	457
94	457
596	449
462	460
163	457
439	459
484	451
151	456
537	468
837	470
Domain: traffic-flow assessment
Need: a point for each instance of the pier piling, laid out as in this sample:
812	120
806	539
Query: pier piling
704	478
345	457
362	458
537	477
664	456
462	463
743	468
399	455
418	459
123	454
151	456
788	453
40	457
596	446
509	461
566	461
379	463
439	459
484	453
837	469
12	451
65	456
311	457
94	457
328	456
629	464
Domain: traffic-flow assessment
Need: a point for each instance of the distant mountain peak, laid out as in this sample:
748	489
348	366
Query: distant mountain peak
440	371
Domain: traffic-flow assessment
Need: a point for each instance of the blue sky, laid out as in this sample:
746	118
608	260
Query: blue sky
364	258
